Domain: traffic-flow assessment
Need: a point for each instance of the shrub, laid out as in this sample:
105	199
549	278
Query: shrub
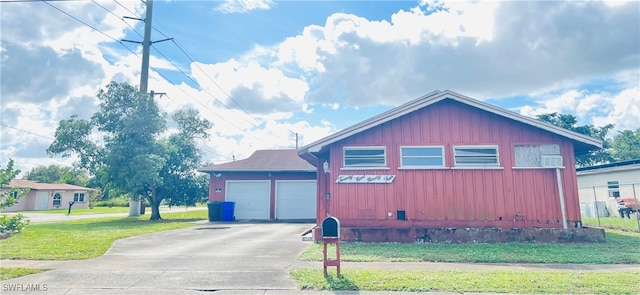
10	225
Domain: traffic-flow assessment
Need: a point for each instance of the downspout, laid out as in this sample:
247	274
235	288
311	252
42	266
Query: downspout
561	195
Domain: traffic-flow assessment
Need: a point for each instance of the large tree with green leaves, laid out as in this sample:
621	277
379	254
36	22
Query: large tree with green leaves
182	185
132	157
626	145
570	122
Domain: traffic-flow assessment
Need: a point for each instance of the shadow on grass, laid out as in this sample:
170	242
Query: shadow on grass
340	283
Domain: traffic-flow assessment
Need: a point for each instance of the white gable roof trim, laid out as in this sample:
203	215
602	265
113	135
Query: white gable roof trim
435	97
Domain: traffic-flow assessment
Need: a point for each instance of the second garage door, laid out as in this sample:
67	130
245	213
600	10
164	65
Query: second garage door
251	198
296	199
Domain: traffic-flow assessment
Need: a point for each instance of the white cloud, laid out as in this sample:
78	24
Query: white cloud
599	109
242	6
546	50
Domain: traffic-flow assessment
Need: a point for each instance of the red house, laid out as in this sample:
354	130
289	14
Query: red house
446	161
269	185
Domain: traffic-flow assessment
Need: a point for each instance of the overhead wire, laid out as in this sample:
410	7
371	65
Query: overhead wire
168	59
196	83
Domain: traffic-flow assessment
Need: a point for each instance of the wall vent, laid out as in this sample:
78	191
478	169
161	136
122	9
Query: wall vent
551	161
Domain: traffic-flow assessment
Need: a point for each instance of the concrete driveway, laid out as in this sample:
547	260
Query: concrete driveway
225	258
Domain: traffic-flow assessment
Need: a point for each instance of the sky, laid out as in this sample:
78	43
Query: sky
267	72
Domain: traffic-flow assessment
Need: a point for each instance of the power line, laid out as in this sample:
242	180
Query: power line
25	131
157	71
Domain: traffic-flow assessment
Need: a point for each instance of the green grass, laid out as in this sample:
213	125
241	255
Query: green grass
83	211
89	238
461	281
625	224
14	272
621	247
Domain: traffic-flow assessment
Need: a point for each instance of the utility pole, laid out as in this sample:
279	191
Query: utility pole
137	207
146	45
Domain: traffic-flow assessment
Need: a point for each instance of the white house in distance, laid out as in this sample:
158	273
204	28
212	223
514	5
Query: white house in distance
599	185
48	196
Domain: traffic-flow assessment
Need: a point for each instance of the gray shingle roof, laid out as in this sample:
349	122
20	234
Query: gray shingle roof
265	160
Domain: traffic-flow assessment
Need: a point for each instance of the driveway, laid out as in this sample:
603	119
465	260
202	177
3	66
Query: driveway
225	258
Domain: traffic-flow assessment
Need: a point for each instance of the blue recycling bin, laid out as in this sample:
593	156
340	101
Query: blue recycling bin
227	211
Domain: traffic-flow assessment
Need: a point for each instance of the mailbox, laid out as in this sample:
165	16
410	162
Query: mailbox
331	228
331	235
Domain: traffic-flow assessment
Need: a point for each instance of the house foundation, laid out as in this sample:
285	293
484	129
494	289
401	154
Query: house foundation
470	235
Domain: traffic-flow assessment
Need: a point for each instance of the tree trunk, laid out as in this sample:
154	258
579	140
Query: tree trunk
155	205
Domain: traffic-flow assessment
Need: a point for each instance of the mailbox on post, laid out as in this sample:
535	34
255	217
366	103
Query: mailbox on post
331	235
70	204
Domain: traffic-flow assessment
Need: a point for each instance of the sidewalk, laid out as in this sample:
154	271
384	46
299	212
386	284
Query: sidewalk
398	266
39	217
393	266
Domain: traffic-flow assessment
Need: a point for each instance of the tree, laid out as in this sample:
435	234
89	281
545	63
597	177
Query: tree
58	174
569	122
626	145
134	158
182	185
8	197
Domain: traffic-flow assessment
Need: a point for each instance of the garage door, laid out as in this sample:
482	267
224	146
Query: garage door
251	197
296	199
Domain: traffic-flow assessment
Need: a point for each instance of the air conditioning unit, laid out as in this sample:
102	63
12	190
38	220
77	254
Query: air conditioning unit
551	161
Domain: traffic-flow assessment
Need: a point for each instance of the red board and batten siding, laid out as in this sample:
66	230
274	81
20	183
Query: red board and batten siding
451	197
219	183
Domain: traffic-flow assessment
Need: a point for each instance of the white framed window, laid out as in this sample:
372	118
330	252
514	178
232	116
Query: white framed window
614	188
476	156
57	199
421	156
365	157
78	197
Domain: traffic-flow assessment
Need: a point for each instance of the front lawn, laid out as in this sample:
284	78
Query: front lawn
14	272
88	238
621	247
463	281
83	211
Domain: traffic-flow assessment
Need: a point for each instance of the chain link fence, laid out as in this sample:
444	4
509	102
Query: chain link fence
602	201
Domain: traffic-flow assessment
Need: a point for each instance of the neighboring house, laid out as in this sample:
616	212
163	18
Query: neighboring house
599	186
47	196
269	185
445	160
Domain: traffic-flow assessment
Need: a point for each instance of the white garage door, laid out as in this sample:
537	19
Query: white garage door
251	197
296	199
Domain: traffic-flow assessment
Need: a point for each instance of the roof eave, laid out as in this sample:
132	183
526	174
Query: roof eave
436	96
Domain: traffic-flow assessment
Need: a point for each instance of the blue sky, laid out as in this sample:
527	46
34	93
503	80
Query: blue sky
264	70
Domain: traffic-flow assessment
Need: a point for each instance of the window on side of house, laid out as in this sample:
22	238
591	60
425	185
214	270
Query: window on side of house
57	199
614	188
476	156
365	157
78	197
531	155
421	156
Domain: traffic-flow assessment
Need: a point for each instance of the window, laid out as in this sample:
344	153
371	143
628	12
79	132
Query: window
78	197
531	156
365	157
614	188
422	156
14	194
57	199
476	156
